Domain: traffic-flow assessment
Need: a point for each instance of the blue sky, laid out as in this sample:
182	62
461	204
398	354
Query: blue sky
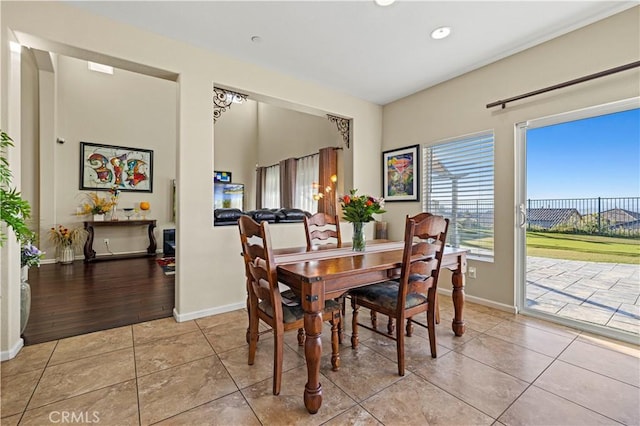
593	157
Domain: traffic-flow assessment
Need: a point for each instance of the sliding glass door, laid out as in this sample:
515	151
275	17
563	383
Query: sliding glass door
578	208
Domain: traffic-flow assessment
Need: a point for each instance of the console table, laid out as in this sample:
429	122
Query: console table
90	254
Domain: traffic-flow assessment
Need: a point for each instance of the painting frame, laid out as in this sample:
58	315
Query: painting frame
403	184
101	168
220	176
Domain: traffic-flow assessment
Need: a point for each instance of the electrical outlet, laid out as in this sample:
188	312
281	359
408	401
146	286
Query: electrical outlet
472	271
106	241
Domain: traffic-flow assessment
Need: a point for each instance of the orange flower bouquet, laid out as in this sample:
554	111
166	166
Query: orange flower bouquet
62	237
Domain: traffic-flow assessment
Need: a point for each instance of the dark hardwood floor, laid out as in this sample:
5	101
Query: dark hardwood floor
68	300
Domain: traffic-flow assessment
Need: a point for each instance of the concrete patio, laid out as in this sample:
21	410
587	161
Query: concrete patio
606	294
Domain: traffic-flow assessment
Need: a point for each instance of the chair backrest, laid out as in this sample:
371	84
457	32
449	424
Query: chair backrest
259	264
320	228
424	241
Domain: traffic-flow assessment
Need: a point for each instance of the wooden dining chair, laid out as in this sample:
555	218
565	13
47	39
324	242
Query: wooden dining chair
322	228
281	311
415	291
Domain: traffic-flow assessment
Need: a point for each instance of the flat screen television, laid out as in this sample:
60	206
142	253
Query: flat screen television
228	195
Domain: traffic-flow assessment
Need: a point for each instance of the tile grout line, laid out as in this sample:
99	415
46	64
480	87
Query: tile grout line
38	382
557	358
185	363
537	377
231	376
135	372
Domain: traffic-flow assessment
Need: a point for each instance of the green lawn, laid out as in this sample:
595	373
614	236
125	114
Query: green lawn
590	248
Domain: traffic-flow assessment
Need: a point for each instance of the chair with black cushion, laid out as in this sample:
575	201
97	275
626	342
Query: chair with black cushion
324	229
282	312
321	229
415	290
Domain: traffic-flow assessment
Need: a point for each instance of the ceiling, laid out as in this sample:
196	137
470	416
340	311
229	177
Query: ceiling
378	54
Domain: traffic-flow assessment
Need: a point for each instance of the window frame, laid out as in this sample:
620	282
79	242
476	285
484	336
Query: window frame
478	142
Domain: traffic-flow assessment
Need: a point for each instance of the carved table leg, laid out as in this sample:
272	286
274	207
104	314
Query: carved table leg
457	295
89	253
313	352
152	239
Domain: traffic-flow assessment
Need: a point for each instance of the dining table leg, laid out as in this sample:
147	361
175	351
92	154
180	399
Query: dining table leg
313	352
457	279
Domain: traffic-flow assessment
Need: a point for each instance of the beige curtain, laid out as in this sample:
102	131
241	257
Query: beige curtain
288	183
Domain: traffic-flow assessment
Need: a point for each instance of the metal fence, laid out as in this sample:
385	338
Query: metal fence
596	216
471	223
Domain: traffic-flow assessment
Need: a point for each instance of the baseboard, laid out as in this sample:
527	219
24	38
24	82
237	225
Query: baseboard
207	312
484	302
81	257
11	353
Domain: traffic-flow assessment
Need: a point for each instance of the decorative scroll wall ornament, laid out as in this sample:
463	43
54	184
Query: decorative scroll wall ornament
222	100
343	127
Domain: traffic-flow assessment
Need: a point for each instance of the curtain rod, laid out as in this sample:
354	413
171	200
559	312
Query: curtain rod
300	158
566	84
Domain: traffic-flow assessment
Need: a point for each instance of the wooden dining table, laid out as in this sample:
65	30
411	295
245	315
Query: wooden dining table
328	273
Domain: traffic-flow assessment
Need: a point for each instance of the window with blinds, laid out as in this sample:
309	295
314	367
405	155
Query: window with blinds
458	183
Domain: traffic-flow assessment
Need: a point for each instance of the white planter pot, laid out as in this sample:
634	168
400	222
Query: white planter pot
67	255
98	218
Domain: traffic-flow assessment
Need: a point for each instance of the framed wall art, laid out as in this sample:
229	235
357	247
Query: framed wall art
104	166
401	174
224	177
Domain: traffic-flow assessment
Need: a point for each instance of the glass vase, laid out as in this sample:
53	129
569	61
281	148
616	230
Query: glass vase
358	241
25	299
114	212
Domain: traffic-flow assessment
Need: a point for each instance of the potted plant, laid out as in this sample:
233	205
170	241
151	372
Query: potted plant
66	241
15	211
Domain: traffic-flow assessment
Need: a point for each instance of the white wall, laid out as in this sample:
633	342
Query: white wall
236	151
209	272
457	107
124	109
30	135
266	134
284	133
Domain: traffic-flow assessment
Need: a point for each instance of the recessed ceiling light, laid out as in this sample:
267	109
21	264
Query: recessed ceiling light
384	2
440	33
256	39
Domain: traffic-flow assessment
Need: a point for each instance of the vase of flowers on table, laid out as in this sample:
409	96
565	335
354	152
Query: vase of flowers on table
97	206
66	240
359	209
30	256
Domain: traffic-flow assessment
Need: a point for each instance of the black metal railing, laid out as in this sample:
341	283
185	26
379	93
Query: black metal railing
471	223
618	217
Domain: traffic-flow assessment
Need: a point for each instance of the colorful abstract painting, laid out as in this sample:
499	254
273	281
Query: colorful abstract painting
400	171
106	166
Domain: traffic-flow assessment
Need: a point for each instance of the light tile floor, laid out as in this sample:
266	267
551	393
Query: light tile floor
606	294
506	369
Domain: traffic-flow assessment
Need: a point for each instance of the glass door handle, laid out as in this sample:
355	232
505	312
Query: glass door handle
523	216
